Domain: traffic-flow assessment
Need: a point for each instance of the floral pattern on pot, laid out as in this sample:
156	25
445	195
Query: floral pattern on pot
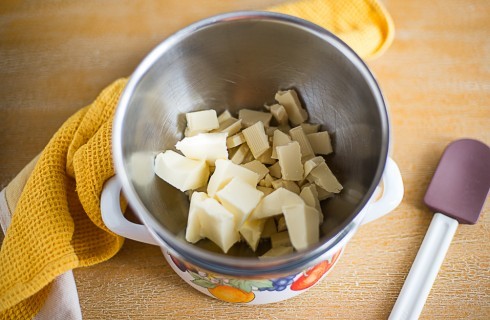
251	291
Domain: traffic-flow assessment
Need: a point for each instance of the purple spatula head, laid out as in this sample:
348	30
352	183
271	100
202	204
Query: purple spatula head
461	182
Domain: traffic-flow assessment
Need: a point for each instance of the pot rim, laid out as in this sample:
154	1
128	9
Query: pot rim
237	266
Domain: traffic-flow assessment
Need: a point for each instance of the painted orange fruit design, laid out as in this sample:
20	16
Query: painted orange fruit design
231	294
311	276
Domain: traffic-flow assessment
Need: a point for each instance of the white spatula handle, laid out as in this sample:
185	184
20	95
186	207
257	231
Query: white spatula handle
424	270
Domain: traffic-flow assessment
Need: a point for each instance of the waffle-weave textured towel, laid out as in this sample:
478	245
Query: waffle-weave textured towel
56	225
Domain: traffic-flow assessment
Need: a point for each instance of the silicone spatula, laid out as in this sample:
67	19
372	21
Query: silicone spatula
456	193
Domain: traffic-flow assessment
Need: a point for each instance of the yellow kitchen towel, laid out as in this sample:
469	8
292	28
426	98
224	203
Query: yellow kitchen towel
56	224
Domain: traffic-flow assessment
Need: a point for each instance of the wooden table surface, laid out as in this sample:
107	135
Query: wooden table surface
55	56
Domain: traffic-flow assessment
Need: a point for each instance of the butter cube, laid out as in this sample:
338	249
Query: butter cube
298	135
181	172
290	161
250	117
279	113
235	140
204	146
279	139
240	198
309	194
320	142
240	154
275	170
227	170
281	239
324	178
310	128
272	204
265	190
218	224
205	120
258	167
302	222
193	229
277	252
251	231
269	228
312	164
256	139
289	99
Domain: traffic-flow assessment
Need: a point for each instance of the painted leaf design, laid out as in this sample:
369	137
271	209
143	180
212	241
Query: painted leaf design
204	283
261	283
244	285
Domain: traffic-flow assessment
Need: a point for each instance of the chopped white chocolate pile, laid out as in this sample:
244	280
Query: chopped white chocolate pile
267	176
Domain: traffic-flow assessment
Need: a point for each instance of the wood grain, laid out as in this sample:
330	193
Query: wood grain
55	56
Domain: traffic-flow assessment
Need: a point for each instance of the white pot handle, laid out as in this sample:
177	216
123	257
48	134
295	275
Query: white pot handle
114	218
392	193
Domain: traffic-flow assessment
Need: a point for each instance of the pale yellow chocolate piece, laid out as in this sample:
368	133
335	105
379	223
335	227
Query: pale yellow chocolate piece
290	161
279	139
275	170
181	172
250	117
240	154
289	99
189	133
271	205
298	135
284	128
281	239
310	128
323	194
269	228
290	185
193	229
269	131
320	142
205	120
277	252
266	157
230	126
279	113
281	224
258	167
240	198
249	157
235	140
256	139
309	194
251	231
267	181
218	224
312	164
302	222
227	170
324	178
225	115
204	146
265	190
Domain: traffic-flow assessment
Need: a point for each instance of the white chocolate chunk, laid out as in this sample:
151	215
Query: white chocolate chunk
289	99
269	228
227	170
204	146
275	170
320	142
256	139
251	231
250	117
323	194
205	120
189	133
277	252
310	196
258	167
240	154
280	239
281	224
240	198
225	115
302	222
230	126
290	185
279	113
267	181
266	157
193	229
279	139
310	128
181	172
272	204
290	161
235	140
218	224
249	157
269	131
265	190
298	135
312	164
324	178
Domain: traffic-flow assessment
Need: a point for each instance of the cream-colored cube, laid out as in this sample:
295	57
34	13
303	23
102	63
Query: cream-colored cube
279	139
320	142
250	117
256	139
289	99
218	224
309	194
290	161
271	205
227	170
324	178
181	172
193	229
258	167
251	231
277	252
240	198
279	113
204	146
302	222
200	121
298	135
